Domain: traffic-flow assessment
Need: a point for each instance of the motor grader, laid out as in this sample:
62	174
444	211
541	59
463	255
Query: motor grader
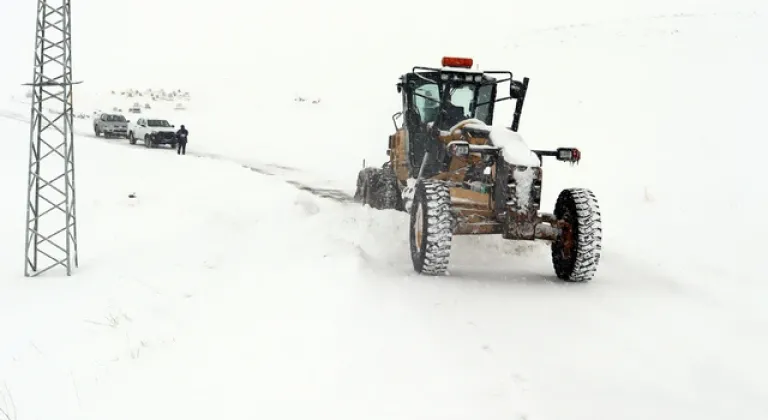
456	173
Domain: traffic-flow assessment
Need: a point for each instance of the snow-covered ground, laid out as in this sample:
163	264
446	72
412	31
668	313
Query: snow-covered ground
223	291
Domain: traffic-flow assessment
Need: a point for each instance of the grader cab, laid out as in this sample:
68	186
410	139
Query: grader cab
457	173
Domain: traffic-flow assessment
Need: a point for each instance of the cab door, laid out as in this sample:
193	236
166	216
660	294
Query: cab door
421	107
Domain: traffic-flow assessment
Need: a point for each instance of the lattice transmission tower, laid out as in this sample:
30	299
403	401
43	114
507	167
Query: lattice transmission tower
51	231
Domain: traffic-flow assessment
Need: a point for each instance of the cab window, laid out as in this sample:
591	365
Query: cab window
426	100
483	98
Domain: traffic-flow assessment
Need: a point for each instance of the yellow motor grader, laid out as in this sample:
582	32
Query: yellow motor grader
456	173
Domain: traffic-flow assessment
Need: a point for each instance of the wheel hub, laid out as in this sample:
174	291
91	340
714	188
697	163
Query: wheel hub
567	242
418	225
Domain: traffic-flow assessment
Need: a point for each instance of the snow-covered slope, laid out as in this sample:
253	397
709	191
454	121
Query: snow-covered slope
221	291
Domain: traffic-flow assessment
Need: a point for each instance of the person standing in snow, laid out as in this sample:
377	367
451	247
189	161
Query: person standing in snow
181	137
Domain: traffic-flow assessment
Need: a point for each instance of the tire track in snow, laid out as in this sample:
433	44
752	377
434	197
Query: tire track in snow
275	170
331	193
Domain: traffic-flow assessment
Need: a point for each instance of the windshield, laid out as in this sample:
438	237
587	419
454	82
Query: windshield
462	96
158	123
118	118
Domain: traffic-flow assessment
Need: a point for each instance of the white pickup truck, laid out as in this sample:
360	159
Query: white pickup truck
152	132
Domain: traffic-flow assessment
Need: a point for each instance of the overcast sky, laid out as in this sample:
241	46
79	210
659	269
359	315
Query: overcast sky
185	44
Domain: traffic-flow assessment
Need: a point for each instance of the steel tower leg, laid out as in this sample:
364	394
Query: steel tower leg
51	231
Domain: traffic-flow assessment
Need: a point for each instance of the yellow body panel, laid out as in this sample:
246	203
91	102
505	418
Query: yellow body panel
397	156
475	208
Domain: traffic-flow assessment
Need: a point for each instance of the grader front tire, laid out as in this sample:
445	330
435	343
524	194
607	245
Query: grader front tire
431	228
576	252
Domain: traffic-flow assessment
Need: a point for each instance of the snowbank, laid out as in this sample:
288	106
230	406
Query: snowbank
195	229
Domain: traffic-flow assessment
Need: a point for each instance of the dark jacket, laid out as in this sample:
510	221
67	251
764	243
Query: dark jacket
182	135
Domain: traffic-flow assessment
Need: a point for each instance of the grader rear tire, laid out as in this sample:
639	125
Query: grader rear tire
378	188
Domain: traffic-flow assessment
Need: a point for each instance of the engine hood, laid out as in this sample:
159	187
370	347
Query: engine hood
162	129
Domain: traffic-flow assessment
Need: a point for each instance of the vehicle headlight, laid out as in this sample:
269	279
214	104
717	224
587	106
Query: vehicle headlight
458	148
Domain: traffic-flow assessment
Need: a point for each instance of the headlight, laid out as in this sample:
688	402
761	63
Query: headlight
458	148
568	154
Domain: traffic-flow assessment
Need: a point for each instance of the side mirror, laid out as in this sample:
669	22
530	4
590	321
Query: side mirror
516	89
173	126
